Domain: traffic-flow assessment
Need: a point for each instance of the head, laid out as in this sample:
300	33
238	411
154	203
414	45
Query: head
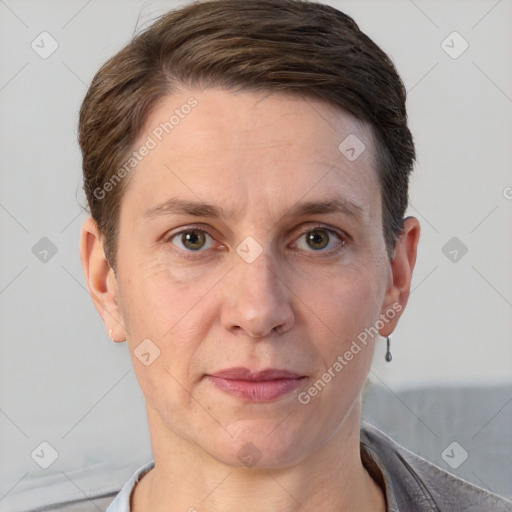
246	168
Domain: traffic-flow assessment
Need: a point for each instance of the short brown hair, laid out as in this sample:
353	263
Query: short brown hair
289	46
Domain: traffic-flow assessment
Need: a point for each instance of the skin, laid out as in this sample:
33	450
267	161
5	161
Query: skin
295	307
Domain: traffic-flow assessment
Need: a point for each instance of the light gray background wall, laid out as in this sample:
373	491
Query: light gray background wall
63	382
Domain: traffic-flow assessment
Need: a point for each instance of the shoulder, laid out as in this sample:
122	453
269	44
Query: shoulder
121	502
419	484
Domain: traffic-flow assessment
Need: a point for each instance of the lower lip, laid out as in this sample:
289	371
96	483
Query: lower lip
256	391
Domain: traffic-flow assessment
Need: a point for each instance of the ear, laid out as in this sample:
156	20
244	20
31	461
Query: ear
399	282
101	280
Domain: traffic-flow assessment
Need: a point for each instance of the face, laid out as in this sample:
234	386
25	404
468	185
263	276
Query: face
249	239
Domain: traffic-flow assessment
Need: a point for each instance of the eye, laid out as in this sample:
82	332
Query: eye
319	239
192	240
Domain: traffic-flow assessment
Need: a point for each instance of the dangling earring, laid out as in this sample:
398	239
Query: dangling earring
388	351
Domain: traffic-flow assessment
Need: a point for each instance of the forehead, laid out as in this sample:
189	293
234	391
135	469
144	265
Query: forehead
246	148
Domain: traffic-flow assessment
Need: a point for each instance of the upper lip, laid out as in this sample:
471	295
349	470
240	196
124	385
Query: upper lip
240	373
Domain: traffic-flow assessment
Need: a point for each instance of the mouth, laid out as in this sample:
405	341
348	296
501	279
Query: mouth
262	386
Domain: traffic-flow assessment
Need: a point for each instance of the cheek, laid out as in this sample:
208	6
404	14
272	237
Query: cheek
162	300
173	314
347	302
346	307
163	311
168	393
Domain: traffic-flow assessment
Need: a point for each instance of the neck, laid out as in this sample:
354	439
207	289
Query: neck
185	478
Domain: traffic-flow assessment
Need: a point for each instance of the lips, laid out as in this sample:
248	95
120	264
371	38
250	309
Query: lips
241	373
262	386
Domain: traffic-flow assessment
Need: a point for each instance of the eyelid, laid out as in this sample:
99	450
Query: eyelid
186	229
342	236
319	225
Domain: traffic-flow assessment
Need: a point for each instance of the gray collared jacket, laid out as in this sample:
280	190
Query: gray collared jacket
415	485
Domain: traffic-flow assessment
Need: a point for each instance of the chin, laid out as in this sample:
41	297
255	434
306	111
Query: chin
259	445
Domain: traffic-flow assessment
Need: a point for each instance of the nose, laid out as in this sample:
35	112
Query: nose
257	301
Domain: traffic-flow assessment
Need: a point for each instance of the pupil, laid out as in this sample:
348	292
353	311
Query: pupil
318	239
193	240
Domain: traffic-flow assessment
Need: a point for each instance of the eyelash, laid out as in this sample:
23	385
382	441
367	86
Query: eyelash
343	240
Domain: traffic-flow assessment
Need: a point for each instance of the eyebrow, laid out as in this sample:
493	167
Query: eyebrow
176	206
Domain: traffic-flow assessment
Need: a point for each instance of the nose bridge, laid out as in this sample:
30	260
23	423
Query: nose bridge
258	301
259	276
